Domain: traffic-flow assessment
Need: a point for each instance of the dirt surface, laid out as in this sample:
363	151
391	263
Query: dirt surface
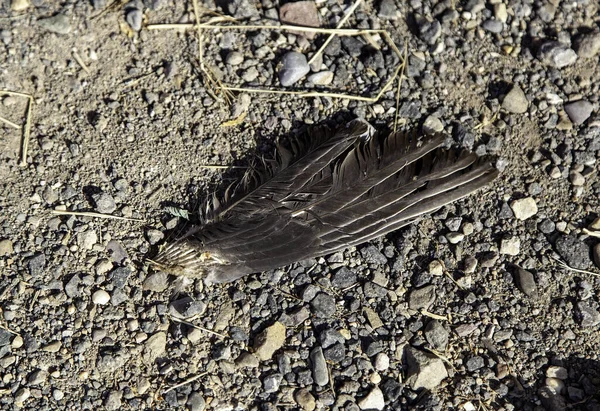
467	309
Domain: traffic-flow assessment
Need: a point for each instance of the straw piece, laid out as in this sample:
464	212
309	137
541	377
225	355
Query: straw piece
10	123
189	380
79	61
340	24
92	214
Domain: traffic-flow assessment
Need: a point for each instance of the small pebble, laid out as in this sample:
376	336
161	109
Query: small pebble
579	111
294	67
436	267
134	19
305	400
234	58
382	362
58	23
515	101
100	297
300	13
373	401
526	282
322	78
588	45
555	371
432	125
19	5
556	54
455	238
576	178
556	385
6	248
104	203
510	246
320	371
524	208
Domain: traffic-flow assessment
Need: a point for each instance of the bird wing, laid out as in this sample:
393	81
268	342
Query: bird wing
342	191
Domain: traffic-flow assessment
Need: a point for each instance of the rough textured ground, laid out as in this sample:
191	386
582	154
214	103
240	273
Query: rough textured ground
468	309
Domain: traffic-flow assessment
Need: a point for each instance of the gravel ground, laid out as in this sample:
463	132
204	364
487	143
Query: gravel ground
469	309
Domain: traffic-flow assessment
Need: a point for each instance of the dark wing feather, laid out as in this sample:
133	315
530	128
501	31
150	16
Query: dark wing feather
337	194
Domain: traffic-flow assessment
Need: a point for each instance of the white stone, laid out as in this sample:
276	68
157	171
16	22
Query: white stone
556	385
524	208
382	362
436	267
557	372
455	238
510	246
373	401
19	5
100	297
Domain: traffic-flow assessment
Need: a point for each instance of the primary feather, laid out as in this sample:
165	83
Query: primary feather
341	190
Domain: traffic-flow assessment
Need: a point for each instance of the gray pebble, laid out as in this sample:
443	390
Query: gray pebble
588	45
425	370
157	282
515	101
116	252
524	208
234	58
113	400
56	24
422	297
38	377
352	45
72	287
250	74
343	278
186	307
436	335
579	111
432	125
321	78
50	195
134	19
574	251
387	10
526	283
5	337
319	367
58	394
555	54
576	178
547	226
36	265
22	395
493	26
104	203
196	402
372	255
154	236
271	383
590	317
429	31
323	305
329	337
475	363
87	239
294	67
120	276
